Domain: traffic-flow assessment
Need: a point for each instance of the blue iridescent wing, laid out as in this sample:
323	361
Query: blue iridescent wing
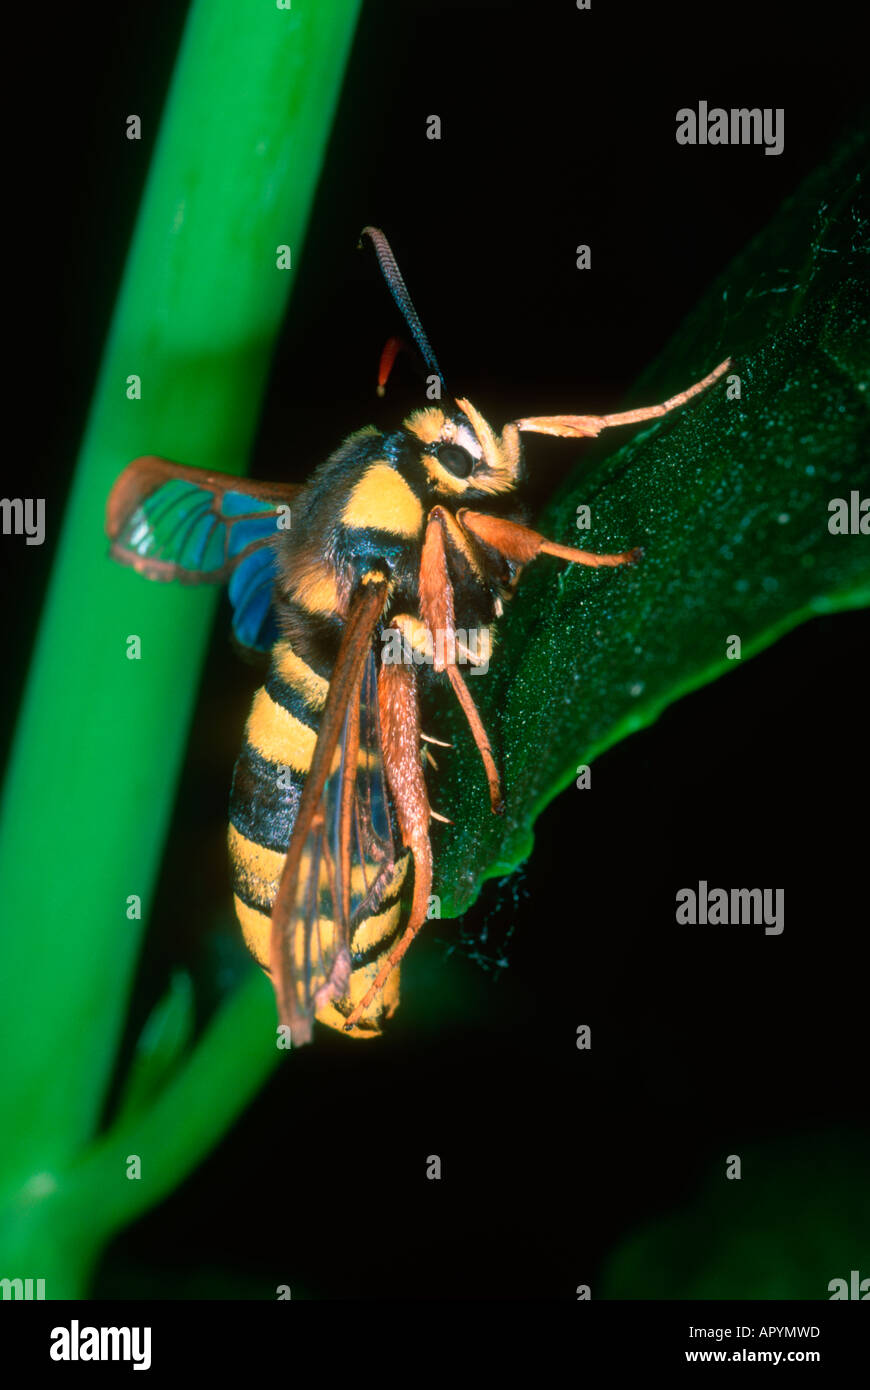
173	522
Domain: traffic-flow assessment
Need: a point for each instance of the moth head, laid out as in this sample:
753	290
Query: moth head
461	454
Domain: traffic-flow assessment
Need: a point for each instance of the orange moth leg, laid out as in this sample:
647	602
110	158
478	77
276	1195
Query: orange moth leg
436	605
521	544
584	426
400	736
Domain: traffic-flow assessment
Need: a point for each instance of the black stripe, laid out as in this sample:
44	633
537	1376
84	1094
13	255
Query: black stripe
314	638
260	809
387	891
291	699
242	892
333	480
382	947
250	899
371	544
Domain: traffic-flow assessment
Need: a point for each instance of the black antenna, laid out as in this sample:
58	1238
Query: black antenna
393	277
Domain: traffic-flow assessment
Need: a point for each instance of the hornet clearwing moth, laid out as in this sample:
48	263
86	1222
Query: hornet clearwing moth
400	542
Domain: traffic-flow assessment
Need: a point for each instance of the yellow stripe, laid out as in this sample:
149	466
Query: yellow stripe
325	929
305	870
278	736
259	867
262	868
361	879
256	929
383	1005
384	500
313	688
281	738
374	929
400	874
316	590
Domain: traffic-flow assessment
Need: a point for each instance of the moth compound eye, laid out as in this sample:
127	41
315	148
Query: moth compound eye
455	459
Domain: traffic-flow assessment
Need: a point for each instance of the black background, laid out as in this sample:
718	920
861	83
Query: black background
557	128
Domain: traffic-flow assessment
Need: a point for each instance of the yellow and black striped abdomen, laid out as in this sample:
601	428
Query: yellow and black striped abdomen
267	784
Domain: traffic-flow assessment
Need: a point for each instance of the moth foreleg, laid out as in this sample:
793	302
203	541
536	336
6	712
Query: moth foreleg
521	544
586	426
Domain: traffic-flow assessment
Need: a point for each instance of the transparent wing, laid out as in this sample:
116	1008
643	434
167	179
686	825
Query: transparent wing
348	860
341	853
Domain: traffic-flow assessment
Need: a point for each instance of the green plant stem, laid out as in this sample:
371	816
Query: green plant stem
59	1221
100	737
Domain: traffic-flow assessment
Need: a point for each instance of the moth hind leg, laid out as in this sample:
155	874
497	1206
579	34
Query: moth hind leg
437	606
399	711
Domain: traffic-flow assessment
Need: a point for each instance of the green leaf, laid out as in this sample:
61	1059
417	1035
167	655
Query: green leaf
160	1048
729	499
